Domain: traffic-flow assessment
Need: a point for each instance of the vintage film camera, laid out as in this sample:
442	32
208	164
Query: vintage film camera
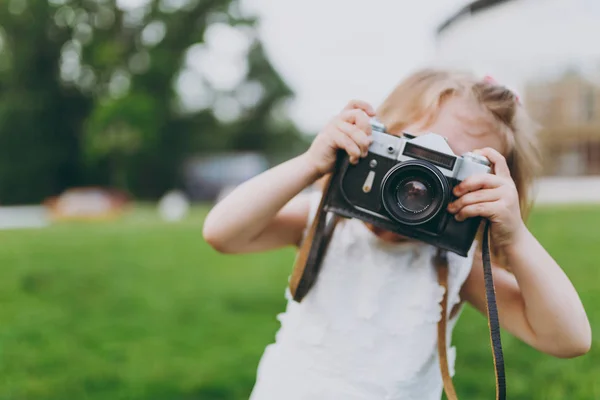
404	185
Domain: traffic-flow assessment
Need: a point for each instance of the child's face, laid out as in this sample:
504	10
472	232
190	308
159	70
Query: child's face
465	127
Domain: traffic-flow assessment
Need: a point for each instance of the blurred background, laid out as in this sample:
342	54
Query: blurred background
122	121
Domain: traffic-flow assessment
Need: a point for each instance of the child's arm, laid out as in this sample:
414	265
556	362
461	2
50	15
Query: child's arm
537	302
266	212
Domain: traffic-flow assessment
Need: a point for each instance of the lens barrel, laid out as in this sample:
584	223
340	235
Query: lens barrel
414	192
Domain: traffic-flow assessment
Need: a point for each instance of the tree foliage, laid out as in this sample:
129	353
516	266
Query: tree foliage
94	92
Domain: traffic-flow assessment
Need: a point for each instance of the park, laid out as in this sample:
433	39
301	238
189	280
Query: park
181	100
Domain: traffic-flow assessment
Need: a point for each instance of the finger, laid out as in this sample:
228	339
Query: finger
486	210
344	142
358	136
497	160
477	182
363	121
359	118
362	105
478	196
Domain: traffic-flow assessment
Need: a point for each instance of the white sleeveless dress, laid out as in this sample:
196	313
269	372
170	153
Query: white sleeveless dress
367	330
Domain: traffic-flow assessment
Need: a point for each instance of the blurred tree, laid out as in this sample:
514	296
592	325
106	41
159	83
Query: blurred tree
120	92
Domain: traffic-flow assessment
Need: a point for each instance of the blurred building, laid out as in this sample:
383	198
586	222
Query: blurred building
545	50
569	110
207	178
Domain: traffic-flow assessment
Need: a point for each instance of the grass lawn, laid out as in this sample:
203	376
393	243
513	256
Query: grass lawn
140	309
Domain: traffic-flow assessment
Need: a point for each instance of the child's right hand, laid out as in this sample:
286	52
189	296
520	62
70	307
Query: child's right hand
350	130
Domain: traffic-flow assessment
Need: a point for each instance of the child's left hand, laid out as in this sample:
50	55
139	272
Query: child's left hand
492	196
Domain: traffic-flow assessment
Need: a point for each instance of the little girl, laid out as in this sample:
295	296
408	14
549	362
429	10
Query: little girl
368	328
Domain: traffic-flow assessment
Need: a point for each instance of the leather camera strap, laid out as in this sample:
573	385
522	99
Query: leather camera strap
492	313
441	263
313	247
307	265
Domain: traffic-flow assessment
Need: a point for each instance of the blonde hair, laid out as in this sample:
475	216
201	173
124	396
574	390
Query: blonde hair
420	96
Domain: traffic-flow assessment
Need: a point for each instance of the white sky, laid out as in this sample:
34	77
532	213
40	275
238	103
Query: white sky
330	51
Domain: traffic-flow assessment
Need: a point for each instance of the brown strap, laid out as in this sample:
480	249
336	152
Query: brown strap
308	261
441	264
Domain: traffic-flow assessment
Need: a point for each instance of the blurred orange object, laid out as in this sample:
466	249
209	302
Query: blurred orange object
87	203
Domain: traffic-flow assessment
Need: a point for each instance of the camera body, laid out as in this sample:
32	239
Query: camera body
404	185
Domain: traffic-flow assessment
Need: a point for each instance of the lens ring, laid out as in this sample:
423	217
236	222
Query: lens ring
432	200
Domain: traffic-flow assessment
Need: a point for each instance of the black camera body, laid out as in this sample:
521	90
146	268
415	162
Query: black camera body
404	185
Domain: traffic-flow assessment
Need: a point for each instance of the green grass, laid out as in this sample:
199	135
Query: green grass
140	309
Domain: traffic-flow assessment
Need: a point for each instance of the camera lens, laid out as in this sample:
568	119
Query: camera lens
414	192
414	195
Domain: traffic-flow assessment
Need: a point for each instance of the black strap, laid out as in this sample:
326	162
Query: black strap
312	250
322	237
493	319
